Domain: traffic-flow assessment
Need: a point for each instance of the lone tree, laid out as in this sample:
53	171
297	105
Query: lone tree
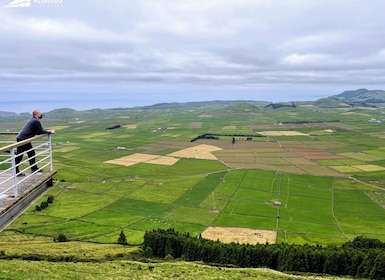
122	238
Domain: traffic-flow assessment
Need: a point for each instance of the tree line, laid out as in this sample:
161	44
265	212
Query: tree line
362	257
215	136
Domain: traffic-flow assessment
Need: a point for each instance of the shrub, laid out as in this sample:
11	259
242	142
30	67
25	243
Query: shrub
169	258
44	204
62	238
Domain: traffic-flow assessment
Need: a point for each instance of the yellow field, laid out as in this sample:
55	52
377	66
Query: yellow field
66	149
199	152
344	168
59	127
146	158
240	235
369	167
283	133
94	135
130	126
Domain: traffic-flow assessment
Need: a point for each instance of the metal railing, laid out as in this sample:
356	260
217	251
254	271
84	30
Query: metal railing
43	158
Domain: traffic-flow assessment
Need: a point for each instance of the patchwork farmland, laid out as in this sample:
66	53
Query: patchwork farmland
313	184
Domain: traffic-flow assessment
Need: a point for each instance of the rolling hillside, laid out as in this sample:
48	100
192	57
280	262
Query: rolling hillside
362	96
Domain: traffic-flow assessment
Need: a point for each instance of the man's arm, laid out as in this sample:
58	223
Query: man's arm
41	130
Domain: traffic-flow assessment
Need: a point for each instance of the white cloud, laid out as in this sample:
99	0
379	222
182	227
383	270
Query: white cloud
178	44
309	60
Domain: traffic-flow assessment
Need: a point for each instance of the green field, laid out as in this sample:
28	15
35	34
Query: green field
323	197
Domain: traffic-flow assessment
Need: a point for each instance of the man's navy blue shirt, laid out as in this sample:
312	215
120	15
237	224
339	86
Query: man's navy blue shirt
32	128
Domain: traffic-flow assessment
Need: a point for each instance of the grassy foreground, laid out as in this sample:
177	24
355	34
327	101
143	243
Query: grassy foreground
85	260
41	270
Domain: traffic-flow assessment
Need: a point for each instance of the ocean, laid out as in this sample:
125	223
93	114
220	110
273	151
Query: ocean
22	102
22	106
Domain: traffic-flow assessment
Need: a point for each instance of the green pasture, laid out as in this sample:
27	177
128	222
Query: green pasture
351	184
192	215
156	193
73	230
95	200
354	225
148	224
97	210
245	221
309	215
261	175
307	203
311	191
358	209
254	195
216	201
260	184
133	237
198	193
230	182
309	238
353	196
21	244
320	229
377	196
110	218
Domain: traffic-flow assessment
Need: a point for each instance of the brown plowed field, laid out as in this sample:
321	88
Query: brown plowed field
241	154
302	125
240	235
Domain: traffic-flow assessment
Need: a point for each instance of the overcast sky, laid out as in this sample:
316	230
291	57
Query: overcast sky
150	51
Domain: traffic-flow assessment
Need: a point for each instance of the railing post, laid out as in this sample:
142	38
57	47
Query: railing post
14	175
50	153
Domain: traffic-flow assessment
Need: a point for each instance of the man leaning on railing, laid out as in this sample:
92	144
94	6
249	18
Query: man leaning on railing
32	128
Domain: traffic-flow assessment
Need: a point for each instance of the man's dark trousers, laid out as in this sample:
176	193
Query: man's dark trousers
31	155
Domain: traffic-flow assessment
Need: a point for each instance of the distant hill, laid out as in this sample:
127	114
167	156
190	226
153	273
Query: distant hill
361	96
347	99
202	104
331	103
7	114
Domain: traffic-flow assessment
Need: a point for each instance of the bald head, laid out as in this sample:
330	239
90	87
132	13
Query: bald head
37	114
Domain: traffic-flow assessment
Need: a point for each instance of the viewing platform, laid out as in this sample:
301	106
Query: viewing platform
18	192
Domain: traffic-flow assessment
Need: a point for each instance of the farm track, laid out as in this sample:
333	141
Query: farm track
334	217
278	206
